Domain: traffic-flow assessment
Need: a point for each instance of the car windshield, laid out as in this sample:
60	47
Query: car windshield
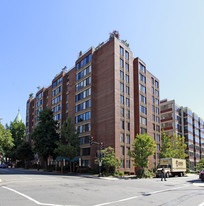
202	170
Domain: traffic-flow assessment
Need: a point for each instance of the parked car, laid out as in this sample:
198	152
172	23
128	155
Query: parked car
201	175
3	165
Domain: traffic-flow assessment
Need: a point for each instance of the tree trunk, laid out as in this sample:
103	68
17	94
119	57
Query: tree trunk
61	166
70	166
46	166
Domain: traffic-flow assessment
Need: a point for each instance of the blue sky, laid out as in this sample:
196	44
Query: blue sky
38	38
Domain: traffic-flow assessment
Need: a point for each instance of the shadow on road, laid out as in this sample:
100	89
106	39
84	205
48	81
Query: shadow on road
16	171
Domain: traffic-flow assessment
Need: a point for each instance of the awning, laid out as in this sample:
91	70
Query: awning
60	159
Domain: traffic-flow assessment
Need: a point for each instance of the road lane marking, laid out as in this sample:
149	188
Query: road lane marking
31	199
146	194
117	201
202	204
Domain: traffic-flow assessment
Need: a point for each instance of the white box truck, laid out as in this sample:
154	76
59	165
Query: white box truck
173	166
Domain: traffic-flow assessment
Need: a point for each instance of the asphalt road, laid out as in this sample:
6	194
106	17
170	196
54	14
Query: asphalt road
29	188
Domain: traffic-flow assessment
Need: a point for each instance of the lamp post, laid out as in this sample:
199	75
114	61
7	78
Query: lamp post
101	147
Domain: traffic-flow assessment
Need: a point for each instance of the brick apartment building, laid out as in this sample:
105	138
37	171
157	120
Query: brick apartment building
109	95
182	121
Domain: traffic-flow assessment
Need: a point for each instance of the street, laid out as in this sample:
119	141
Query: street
30	188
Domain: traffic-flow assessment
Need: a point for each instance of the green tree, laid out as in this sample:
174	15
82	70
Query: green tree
24	152
17	129
174	147
69	145
143	147
200	165
165	147
109	162
178	147
6	140
44	136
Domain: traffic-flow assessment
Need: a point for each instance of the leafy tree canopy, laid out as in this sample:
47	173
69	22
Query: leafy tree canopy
6	140
44	135
109	161
200	165
174	147
69	144
143	147
18	132
24	152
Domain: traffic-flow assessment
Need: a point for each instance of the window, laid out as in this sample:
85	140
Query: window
83	73
40	102
142	88
121	63
127	163
153	117
127	151
142	78
122	163
122	150
142	99
83	83
153	126
143	109
121	99
85	151
142	68
39	96
143	130
83	117
122	124
121	51
57	82
83	106
127	67
58	116
127	90
84	128
157	92
158	137
121	87
152	80
127	78
83	62
127	138
156	84
122	112
57	108
121	75
122	139
158	128
143	120
57	99
152	99
157	110
126	55
153	108
128	126
152	90
128	102
157	102
83	95
157	119
128	114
